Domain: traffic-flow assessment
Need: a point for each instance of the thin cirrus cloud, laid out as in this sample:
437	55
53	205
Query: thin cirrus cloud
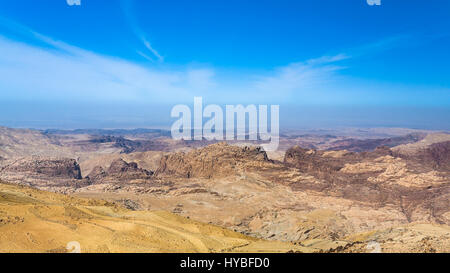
65	72
127	7
302	76
60	71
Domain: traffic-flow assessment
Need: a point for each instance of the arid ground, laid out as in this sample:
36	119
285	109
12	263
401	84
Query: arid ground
346	190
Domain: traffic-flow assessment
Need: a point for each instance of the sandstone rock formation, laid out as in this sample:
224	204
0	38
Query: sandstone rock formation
57	168
378	178
323	200
364	145
119	171
97	174
217	160
430	139
435	156
56	174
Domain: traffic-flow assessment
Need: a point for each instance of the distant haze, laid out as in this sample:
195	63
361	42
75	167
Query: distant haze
82	116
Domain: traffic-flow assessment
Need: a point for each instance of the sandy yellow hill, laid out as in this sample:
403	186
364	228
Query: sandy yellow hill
38	221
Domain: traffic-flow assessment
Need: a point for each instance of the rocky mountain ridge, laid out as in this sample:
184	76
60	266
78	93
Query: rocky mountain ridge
309	197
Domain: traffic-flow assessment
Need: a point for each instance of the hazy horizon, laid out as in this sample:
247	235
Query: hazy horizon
69	117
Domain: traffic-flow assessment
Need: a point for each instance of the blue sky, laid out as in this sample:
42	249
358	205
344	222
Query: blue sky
125	63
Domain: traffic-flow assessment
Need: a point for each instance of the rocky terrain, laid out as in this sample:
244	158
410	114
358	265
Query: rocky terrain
119	170
362	145
217	160
378	178
431	153
43	172
36	221
316	197
312	195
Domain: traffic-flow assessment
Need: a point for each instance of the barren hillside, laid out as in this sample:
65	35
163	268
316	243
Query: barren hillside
36	221
326	200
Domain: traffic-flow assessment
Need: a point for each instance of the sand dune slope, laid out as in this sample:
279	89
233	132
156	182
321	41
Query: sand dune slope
37	221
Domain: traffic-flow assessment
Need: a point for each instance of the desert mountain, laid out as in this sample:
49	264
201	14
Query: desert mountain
364	145
325	196
48	173
119	170
433	152
217	160
321	199
426	142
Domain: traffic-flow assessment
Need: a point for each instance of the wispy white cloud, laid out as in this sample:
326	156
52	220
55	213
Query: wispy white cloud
328	59
127	7
151	49
306	79
145	56
66	72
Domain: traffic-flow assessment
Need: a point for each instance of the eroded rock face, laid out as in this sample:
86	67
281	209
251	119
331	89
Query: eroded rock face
435	156
327	165
56	175
363	145
130	146
440	153
62	168
98	173
378	178
217	160
328	161
119	170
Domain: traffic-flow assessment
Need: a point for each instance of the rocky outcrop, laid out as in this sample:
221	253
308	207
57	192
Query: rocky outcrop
378	178
123	170
97	174
130	146
435	156
364	145
328	161
59	168
119	170
53	174
439	153
217	160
